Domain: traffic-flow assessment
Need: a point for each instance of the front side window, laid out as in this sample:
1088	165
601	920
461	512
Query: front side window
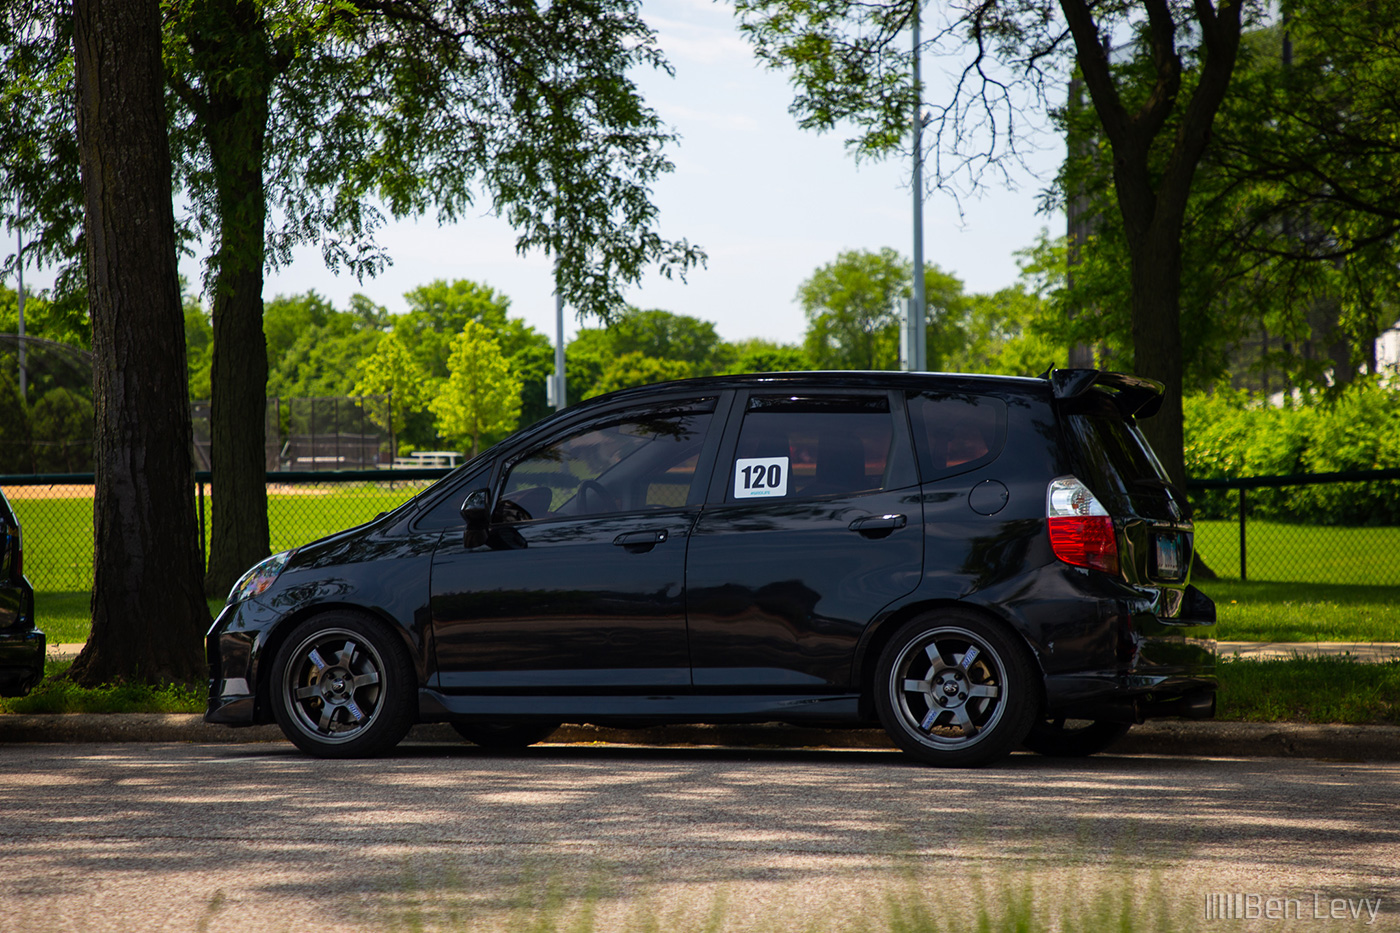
794	446
637	460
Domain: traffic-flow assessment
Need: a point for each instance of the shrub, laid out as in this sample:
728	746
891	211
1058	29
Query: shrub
1232	434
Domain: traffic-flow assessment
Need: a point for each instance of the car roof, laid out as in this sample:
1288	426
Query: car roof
836	379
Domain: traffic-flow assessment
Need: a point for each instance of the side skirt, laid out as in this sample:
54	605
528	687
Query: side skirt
434	706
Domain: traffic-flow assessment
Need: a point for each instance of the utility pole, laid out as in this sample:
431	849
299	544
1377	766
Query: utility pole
913	337
555	389
23	354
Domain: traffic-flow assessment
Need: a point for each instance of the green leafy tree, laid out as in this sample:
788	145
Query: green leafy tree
300	114
391	370
757	355
637	369
61	422
15	436
1155	99
852	308
1290	247
436	314
853	312
59	321
481	397
313	349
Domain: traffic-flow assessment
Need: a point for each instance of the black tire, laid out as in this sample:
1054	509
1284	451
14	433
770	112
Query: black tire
1073	738
343	687
505	737
947	705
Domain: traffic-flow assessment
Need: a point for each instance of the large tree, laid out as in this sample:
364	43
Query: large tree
852	308
850	66
1290	237
148	611
289	121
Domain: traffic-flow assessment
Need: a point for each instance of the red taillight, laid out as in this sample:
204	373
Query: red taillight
1085	542
1081	530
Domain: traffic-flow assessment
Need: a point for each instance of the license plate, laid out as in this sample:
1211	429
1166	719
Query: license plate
1168	557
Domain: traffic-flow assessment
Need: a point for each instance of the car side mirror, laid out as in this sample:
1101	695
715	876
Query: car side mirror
476	510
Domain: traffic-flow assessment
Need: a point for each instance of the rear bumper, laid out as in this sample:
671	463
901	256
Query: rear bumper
21	661
1150	653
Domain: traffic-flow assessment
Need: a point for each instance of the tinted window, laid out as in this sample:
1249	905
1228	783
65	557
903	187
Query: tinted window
815	446
638	460
1115	460
954	433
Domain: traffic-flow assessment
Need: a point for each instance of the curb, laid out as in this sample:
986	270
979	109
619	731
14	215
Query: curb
1184	738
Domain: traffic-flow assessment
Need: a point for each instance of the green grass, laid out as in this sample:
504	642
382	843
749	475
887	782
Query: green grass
58	532
1302	553
1303	612
1327	689
55	695
1067	893
65	617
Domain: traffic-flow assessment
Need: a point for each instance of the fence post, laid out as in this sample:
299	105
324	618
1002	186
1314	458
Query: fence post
1244	575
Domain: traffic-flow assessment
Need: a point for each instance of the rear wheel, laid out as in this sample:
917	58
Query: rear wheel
505	737
1074	738
953	689
343	687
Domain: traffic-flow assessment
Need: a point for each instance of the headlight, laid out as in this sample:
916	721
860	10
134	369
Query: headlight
258	579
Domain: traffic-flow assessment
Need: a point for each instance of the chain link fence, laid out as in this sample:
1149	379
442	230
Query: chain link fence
1240	533
1338	528
56	514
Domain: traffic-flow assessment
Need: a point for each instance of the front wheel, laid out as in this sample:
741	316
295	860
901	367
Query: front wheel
505	737
953	689
343	687
1074	738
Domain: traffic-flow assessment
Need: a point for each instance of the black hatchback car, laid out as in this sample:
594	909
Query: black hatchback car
21	644
973	562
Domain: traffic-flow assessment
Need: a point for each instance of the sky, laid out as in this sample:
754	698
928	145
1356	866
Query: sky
768	202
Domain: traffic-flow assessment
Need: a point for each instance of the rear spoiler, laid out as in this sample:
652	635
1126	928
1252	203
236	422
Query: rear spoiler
1135	396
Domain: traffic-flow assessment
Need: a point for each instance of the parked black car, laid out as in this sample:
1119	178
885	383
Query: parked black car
21	644
974	562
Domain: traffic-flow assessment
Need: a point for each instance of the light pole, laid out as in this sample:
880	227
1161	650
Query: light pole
913	339
556	393
19	232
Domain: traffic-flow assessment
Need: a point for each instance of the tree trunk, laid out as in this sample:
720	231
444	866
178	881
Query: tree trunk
148	613
236	130
1157	346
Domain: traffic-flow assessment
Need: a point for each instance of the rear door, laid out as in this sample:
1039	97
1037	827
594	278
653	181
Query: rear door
813	526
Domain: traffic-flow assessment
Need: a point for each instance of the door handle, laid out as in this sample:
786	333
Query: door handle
639	541
878	526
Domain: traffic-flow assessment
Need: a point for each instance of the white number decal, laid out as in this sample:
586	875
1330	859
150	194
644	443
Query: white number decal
760	477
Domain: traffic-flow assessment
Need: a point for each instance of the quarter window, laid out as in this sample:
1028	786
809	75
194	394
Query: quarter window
956	432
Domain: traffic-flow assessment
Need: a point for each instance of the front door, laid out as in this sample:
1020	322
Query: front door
580	584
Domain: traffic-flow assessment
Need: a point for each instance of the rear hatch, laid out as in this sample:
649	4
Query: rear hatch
1153	517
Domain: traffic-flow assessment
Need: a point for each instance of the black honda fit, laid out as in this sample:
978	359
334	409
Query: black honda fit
975	563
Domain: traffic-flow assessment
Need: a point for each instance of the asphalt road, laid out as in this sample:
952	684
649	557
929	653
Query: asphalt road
247	838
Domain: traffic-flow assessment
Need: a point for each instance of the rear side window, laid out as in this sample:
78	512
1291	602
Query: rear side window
956	432
803	446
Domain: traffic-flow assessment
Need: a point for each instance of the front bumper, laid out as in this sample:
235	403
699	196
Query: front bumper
21	661
234	649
